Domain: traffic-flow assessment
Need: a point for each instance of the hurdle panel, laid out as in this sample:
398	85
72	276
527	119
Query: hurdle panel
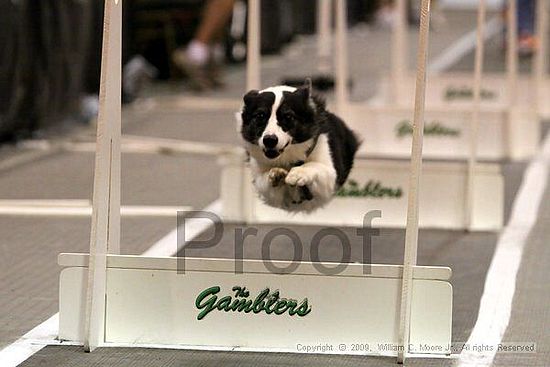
502	134
519	96
455	89
149	303
442	195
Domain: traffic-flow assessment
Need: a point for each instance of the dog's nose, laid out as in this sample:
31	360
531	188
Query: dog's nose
270	141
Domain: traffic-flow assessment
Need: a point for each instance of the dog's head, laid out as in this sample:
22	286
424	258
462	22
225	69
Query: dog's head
276	117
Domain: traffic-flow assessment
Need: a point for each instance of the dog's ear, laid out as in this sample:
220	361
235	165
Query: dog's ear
303	93
250	97
305	90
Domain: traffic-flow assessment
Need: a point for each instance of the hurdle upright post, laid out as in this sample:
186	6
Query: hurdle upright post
324	38
512	52
512	71
341	56
253	78
474	122
399	54
540	61
411	234
105	231
253	81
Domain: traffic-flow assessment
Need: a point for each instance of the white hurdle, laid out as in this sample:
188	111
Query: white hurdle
107	299
509	125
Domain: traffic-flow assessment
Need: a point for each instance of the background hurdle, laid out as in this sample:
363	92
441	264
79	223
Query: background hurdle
506	117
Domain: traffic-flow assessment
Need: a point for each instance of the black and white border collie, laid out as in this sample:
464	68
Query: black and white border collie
299	153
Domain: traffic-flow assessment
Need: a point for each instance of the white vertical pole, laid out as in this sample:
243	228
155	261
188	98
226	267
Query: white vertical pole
253	80
105	233
540	61
512	71
512	52
399	56
411	235
341	56
474	122
324	38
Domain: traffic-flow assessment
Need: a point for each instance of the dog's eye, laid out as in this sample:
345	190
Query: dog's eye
260	115
288	116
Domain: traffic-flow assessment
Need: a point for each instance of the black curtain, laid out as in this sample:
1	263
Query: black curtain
44	47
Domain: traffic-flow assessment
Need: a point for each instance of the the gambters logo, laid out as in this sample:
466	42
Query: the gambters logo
266	301
373	189
433	128
463	92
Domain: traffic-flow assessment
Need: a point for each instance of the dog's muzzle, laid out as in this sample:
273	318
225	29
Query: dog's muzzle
271	153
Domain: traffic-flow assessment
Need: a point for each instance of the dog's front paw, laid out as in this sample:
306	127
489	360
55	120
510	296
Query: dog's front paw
277	176
299	176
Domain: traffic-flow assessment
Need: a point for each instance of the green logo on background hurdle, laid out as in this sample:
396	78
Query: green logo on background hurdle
454	93
435	128
266	301
372	188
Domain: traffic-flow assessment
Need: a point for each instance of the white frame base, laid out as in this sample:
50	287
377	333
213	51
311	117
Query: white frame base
149	303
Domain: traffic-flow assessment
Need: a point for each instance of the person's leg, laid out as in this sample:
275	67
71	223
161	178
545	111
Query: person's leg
526	27
526	17
217	57
385	15
195	58
214	19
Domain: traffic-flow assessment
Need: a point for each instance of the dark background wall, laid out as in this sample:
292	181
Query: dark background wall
44	45
50	49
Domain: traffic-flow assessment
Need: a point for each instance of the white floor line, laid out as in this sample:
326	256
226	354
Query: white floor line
23	158
167	246
45	202
135	144
464	45
176	102
30	343
46	333
86	211
496	303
